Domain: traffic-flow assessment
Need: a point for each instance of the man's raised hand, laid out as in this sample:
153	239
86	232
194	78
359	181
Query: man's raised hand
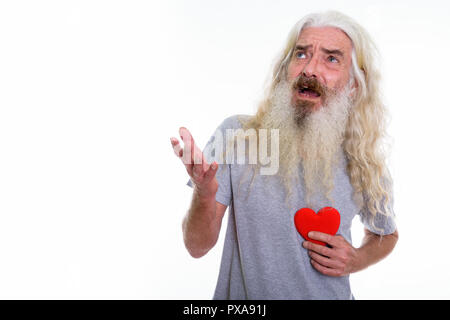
201	173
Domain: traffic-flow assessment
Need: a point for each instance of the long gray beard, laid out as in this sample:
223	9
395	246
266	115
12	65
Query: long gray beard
312	139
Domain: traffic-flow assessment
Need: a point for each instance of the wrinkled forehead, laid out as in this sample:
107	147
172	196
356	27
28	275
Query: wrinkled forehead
328	37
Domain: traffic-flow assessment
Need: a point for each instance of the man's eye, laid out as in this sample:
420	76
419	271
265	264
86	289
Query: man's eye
300	55
333	59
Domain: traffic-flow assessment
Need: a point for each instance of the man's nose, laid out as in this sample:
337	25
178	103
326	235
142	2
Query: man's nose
310	69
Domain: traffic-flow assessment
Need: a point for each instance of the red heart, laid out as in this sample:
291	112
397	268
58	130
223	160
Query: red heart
327	220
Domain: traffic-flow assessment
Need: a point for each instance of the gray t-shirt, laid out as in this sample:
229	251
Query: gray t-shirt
263	257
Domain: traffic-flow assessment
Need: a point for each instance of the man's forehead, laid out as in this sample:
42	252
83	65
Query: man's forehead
329	37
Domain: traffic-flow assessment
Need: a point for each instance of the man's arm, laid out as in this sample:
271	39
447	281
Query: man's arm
342	258
201	225
374	248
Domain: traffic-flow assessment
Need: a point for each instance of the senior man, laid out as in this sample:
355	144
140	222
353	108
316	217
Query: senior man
324	101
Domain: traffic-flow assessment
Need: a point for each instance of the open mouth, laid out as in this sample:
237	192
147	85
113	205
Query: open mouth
308	92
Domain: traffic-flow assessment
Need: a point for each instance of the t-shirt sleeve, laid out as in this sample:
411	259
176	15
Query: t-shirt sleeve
214	151
380	223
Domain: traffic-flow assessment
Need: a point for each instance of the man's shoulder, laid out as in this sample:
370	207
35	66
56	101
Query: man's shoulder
236	120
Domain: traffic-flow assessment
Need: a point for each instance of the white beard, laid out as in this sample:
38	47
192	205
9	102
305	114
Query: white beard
313	140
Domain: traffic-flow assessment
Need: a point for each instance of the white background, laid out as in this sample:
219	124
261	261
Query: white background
91	195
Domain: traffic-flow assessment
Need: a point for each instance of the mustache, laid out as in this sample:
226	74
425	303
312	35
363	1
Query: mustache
302	82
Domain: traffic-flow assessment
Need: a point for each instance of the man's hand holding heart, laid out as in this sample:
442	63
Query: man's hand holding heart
339	259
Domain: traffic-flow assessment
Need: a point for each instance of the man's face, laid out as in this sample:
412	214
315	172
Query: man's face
321	63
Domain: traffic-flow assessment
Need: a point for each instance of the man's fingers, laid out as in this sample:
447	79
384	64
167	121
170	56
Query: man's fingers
196	157
179	152
192	154
324	237
176	147
322	250
187	149
211	172
325	270
324	261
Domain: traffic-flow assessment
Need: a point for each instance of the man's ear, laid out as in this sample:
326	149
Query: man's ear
354	87
355	84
